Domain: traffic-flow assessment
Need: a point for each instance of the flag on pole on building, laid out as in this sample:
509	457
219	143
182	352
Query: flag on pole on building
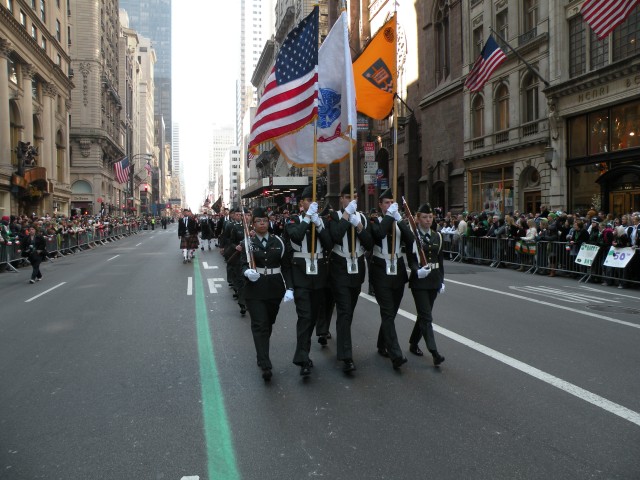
336	106
603	16
147	167
122	170
491	57
289	101
375	73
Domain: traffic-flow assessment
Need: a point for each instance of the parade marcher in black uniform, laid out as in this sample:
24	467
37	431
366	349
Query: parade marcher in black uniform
34	247
188	233
206	231
388	273
347	269
309	278
426	282
327	303
228	251
236	245
268	283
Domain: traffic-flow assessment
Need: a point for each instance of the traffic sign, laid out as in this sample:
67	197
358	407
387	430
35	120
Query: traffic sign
369	178
370	167
379	173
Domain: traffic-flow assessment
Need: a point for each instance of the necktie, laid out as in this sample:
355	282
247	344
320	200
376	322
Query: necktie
264	241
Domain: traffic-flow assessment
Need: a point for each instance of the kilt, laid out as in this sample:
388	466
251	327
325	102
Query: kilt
189	242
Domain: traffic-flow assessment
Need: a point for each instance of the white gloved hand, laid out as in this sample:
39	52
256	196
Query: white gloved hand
252	275
317	220
424	272
313	208
354	219
441	289
392	210
352	207
397	216
288	296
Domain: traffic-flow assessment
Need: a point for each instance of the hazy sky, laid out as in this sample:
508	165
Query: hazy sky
205	66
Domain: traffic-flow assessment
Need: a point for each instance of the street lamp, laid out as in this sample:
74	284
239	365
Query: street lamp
132	174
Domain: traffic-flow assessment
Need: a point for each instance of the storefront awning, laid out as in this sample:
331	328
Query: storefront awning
272	186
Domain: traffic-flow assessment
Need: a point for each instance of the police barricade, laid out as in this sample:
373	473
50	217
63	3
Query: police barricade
478	249
451	246
611	266
7	255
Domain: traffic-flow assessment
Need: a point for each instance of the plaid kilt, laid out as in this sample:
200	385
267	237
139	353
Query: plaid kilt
189	242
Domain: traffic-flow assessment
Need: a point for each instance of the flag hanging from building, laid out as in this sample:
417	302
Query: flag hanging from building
489	60
289	101
375	73
147	167
336	106
122	170
603	16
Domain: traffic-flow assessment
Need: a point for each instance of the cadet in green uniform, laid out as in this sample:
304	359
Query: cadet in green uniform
268	283
426	282
388	273
236	246
309	274
351	239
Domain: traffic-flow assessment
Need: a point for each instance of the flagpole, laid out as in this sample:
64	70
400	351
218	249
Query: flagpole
313	188
352	195
535	72
394	190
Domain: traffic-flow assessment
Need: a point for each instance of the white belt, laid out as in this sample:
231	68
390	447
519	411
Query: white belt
433	266
305	254
385	256
338	251
268	271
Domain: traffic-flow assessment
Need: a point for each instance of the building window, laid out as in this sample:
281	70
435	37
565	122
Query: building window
69	36
23	19
34	89
478	40
43	15
598	51
43	43
626	37
443	47
10	5
34	32
578	136
599	132
502	108
12	72
625	126
577	47
58	32
58	60
491	189
477	113
530	98
530	15
502	27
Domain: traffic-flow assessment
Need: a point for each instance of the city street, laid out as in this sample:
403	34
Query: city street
125	363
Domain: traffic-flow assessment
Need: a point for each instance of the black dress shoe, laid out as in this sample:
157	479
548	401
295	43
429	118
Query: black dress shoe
415	350
328	335
322	340
348	366
437	358
266	374
305	370
398	362
383	352
243	309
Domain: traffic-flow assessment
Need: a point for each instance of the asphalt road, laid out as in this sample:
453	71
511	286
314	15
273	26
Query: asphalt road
125	363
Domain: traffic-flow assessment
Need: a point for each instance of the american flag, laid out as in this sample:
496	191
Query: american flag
489	60
290	99
147	167
603	16
122	170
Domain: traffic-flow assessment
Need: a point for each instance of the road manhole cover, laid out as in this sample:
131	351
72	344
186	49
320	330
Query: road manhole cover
614	309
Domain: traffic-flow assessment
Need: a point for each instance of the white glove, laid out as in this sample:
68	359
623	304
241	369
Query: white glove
423	272
288	296
354	219
441	289
392	210
252	275
313	208
352	207
397	216
317	220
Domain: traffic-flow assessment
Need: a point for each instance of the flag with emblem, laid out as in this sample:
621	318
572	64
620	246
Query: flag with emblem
603	16
375	73
122	170
336	106
289	101
491	57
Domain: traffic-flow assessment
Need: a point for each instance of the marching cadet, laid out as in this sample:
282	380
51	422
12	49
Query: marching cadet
309	273
227	249
388	273
426	281
188	233
351	238
236	245
269	283
327	303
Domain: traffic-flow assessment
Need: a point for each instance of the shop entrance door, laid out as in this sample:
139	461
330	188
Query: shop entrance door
532	201
625	202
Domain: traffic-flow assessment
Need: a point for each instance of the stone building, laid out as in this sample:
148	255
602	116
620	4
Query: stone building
35	89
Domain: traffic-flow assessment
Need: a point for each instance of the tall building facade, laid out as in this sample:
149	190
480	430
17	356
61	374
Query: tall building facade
152	18
35	93
222	138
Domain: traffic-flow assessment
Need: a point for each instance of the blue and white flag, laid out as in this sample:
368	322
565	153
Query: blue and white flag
336	122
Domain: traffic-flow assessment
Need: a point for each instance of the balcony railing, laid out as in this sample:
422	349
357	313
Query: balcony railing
527	37
478	143
530	128
502	137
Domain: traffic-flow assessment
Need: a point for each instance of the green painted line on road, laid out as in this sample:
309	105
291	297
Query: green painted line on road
221	460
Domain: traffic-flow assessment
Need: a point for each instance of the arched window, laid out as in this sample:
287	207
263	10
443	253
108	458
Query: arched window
443	47
502	108
530	100
477	116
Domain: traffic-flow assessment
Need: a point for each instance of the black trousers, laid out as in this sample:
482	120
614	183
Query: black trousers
307	306
263	315
389	302
346	299
424	323
325	312
35	261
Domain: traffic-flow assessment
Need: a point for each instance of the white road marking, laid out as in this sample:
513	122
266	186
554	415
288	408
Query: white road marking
189	285
137	245
548	304
213	286
207	267
192	477
46	291
587	396
113	258
561	295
